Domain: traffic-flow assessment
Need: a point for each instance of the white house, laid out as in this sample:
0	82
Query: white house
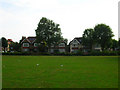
76	44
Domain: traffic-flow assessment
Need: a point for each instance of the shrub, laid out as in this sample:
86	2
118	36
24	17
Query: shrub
79	53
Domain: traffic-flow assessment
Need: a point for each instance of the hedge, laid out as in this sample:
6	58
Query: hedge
93	53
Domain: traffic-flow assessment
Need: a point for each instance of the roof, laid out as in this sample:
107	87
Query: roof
10	40
29	39
63	42
79	39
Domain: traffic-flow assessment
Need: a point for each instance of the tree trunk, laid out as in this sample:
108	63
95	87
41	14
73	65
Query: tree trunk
4	49
102	49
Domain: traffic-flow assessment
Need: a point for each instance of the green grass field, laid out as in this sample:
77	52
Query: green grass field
76	72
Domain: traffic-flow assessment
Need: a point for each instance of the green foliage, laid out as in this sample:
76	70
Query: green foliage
65	40
4	43
42	47
119	44
115	44
14	46
88	39
48	31
104	53
103	35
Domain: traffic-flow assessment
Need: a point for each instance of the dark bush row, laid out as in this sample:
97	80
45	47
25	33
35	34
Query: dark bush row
93	53
24	53
104	53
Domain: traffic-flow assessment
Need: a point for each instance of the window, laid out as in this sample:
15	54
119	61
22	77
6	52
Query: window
74	41
25	44
52	45
31	39
61	50
25	50
35	44
75	45
61	45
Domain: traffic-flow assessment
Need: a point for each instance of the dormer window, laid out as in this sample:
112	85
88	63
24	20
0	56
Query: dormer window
25	44
35	44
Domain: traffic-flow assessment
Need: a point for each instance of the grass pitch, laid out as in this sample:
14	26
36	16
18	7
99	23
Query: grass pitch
59	72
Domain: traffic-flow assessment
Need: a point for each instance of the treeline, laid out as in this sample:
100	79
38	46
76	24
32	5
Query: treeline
102	35
49	33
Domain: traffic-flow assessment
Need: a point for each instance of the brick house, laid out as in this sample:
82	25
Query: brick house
28	44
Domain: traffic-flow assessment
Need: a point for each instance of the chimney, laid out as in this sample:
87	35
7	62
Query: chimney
23	37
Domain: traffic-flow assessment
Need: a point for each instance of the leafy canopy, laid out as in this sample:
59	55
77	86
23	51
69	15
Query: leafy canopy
48	32
103	35
88	39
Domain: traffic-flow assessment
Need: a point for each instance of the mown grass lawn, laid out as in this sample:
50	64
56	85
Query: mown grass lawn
76	72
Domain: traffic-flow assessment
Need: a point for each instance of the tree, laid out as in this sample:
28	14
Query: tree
87	38
42	47
48	32
103	35
114	44
119	43
14	46
4	43
65	40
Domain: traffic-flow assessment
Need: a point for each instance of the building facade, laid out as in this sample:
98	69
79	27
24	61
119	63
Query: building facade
28	44
60	47
75	45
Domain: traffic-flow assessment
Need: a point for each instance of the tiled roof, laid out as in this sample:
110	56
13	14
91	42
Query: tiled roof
10	40
31	39
79	39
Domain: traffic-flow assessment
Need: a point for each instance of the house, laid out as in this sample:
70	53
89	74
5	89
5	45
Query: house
28	44
60	47
6	49
75	45
95	47
9	42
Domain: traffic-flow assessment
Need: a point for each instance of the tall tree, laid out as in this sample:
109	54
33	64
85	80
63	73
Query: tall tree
87	38
48	32
4	43
103	35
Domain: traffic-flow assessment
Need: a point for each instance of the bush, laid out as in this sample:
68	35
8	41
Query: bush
104	53
79	53
16	53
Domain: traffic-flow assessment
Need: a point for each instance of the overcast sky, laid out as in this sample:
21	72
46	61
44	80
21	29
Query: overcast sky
20	17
